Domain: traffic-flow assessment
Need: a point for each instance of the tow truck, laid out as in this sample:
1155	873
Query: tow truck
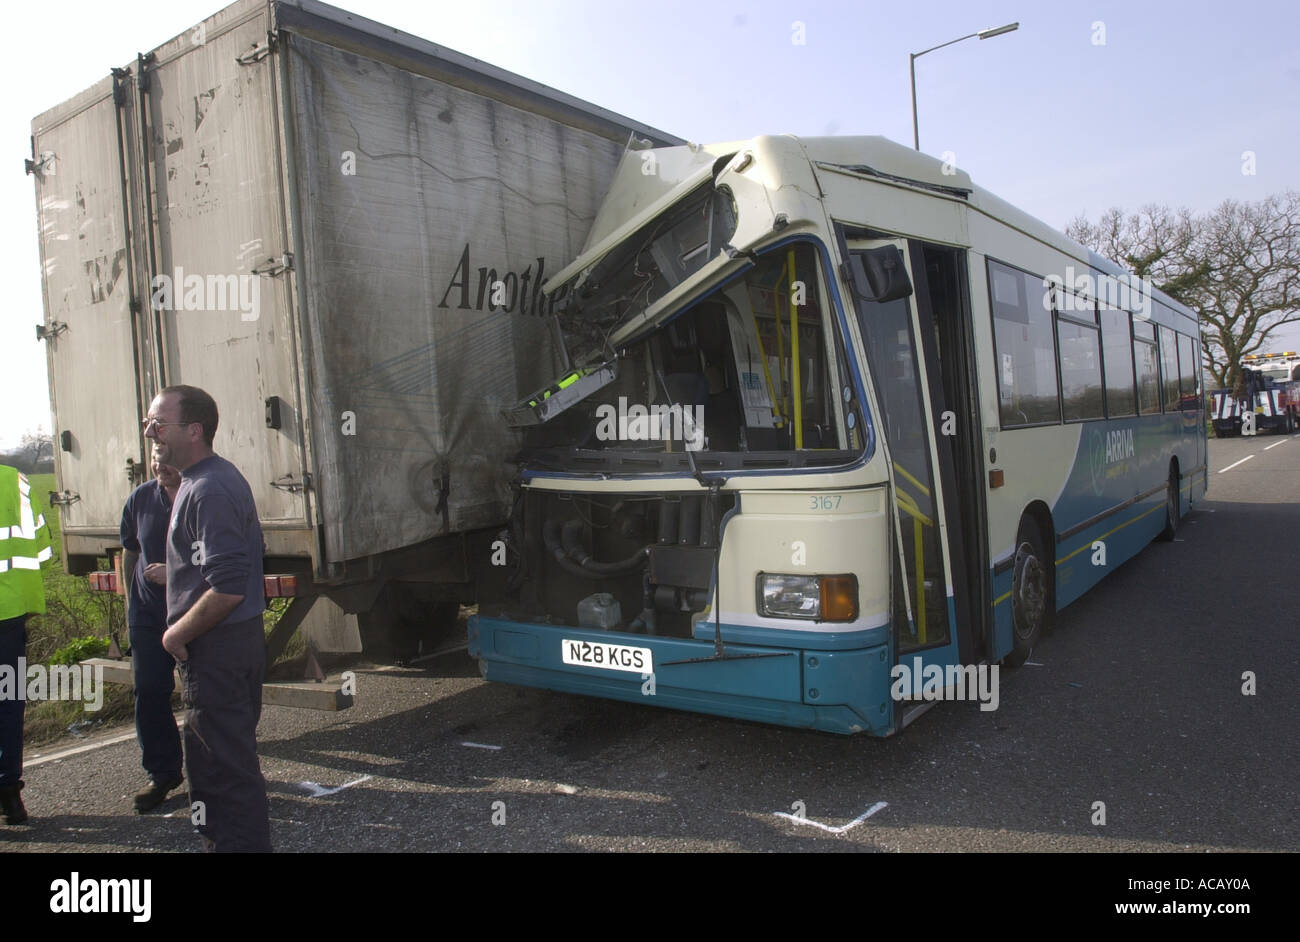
1269	393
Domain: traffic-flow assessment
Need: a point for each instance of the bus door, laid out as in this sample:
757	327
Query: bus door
927	420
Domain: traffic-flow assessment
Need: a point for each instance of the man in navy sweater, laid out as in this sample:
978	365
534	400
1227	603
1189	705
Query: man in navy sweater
215	601
145	519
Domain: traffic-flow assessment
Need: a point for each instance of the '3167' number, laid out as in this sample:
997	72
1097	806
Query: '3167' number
824	501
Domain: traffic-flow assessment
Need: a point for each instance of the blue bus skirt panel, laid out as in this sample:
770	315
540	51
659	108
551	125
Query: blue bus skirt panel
1078	566
836	691
1124	537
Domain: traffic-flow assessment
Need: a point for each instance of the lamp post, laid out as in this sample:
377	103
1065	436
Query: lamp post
982	34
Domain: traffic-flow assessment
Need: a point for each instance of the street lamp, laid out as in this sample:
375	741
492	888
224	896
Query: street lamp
982	34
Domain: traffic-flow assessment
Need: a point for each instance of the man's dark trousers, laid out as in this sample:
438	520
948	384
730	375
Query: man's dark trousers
155	727
222	685
13	645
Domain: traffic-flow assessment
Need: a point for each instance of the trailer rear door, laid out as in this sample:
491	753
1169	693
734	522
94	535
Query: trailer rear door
89	330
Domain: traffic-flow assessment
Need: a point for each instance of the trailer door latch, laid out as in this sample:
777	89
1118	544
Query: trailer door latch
271	267
258	51
55	328
287	482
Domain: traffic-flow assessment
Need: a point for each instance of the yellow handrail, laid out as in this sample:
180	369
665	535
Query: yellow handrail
914	482
908	504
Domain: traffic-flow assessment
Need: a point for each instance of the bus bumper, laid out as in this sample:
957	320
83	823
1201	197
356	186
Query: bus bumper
839	691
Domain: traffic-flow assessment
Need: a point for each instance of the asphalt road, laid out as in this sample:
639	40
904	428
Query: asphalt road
1134	701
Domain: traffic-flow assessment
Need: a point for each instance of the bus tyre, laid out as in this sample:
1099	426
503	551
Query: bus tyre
1173	509
1031	593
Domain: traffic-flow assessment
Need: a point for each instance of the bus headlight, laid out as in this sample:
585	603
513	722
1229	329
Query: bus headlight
816	598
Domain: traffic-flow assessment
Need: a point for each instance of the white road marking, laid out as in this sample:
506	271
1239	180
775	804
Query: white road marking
1235	463
440	652
319	791
76	750
1275	444
479	745
834	830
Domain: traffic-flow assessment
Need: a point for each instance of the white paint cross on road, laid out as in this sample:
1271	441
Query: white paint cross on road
834	830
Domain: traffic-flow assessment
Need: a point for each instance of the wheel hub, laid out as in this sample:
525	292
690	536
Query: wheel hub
1030	594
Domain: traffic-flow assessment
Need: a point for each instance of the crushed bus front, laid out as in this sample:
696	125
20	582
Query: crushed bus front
705	518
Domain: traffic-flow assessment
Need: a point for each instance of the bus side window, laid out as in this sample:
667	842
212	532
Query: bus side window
1025	349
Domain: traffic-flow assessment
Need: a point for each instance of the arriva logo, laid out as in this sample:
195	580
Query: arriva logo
1119	445
1106	451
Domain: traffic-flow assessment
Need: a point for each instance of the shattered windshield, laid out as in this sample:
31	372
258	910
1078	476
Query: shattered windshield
752	367
643	269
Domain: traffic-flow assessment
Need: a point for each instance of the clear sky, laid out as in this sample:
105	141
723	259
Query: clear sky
1049	117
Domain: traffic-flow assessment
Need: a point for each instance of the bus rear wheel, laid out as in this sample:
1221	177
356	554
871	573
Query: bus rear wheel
1031	593
1173	509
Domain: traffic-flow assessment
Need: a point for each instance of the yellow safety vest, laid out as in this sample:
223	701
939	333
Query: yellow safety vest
24	545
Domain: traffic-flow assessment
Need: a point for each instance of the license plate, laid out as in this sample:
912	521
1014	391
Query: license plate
610	657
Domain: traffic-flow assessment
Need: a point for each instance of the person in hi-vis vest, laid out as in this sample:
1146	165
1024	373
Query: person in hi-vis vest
24	545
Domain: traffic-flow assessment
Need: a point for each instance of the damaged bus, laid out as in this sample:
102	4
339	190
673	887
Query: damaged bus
826	409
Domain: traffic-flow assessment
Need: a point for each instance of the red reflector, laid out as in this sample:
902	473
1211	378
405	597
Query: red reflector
995	478
280	586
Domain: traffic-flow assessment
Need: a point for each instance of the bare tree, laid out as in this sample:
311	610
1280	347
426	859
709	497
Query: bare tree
1254	286
1239	266
1156	243
35	445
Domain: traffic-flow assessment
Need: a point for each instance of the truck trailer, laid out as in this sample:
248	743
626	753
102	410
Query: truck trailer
340	231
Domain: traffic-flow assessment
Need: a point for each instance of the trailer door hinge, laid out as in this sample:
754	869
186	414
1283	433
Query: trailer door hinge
121	78
288	482
67	498
271	267
136	471
53	330
43	166
258	51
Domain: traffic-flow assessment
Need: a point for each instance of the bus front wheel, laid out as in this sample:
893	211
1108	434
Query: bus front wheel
1031	594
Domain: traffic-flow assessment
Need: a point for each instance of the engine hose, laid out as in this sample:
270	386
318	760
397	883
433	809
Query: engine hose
569	542
551	540
646	621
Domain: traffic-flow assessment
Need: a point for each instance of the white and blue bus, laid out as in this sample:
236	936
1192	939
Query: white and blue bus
827	407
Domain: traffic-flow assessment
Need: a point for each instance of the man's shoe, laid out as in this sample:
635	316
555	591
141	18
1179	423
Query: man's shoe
155	793
12	804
